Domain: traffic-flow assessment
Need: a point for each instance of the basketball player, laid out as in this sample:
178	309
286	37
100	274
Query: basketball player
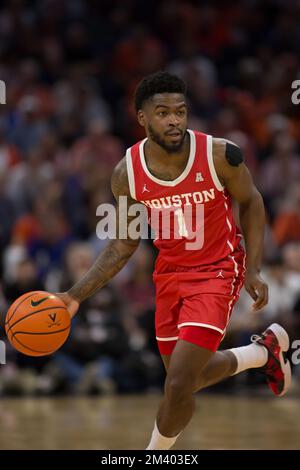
196	289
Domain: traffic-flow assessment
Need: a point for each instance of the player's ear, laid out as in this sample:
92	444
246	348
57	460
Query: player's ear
141	117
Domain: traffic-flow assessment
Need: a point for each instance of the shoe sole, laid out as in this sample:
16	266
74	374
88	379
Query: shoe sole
284	343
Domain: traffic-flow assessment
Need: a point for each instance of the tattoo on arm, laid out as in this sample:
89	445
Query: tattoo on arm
107	265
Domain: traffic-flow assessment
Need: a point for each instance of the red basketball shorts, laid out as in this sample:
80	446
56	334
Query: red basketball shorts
195	303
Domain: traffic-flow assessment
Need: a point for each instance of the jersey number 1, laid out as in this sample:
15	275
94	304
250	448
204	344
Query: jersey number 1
181	223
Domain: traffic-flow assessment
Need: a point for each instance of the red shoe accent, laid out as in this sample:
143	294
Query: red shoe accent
277	369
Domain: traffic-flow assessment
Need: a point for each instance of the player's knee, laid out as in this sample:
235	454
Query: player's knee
179	388
201	381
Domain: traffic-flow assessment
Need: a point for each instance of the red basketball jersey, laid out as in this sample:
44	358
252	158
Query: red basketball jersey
194	206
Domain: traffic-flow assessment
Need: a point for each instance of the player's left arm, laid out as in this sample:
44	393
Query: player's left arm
235	176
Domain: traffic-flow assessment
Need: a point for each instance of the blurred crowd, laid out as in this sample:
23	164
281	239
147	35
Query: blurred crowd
70	68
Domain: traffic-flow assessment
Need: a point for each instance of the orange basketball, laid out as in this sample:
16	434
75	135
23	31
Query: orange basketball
37	323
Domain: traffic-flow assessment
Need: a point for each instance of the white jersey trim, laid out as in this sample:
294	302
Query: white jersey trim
130	173
211	165
185	172
236	271
167	339
204	325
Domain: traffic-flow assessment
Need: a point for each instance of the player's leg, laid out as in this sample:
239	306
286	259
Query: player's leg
184	359
177	406
222	364
226	363
166	358
212	310
191	367
267	351
204	314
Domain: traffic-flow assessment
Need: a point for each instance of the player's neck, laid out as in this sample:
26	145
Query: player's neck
155	153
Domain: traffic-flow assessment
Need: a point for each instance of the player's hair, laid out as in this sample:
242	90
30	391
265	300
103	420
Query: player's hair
159	82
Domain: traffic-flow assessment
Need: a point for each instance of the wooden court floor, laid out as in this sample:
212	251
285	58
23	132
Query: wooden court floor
125	422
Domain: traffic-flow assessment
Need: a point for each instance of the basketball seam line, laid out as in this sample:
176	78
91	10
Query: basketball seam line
17	306
32	313
34	350
39	333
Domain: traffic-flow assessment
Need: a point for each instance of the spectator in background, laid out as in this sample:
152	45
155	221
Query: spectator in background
24	280
24	374
29	127
138	293
286	227
284	289
91	359
49	246
28	179
279	171
71	69
98	149
7	212
291	256
10	155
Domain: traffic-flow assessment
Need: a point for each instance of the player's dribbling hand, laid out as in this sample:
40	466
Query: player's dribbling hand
257	288
71	304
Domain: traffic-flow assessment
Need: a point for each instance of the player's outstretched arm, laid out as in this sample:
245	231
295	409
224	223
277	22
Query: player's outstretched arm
114	256
236	177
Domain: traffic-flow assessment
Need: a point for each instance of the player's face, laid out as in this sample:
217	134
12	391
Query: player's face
164	117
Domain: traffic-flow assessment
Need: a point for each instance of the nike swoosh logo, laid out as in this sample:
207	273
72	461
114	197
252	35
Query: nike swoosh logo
38	302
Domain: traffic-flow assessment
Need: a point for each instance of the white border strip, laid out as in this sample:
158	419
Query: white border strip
130	173
228	223
205	325
167	339
230	245
185	171
211	165
236	271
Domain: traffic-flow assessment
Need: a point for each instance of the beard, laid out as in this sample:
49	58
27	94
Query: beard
168	147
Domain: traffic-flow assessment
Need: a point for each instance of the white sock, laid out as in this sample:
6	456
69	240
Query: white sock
159	442
251	356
